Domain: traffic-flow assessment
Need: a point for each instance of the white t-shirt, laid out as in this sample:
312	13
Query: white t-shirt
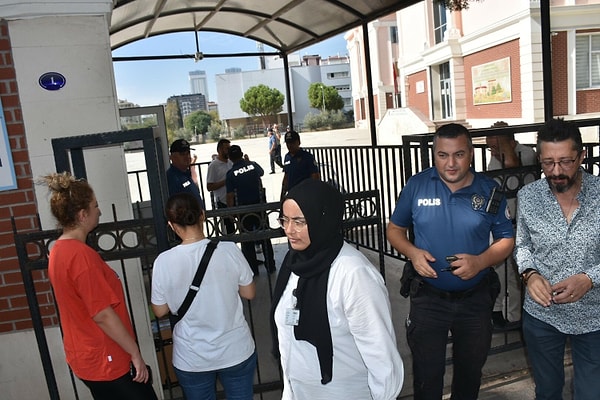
366	362
213	333
217	170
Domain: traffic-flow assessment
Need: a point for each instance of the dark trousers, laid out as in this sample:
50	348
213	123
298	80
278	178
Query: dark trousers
469	320
228	221
275	158
123	388
251	222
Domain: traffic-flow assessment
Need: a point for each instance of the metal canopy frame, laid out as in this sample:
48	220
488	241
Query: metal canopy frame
286	26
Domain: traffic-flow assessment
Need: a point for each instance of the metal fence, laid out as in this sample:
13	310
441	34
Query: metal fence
136	239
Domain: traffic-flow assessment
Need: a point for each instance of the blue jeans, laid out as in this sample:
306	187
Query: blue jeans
546	352
469	319
237	381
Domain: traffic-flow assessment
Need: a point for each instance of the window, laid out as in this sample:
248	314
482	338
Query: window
587	61
342	88
335	75
394	34
439	21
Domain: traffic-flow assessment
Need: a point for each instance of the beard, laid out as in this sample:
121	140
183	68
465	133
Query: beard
568	182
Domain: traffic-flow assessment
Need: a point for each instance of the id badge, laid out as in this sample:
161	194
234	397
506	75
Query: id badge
292	316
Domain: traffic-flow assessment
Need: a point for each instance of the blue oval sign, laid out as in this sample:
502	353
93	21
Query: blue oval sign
52	81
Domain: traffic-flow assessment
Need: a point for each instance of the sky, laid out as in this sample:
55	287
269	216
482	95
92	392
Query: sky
150	83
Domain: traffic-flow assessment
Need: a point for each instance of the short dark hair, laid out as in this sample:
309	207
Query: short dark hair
452	131
235	153
558	130
221	142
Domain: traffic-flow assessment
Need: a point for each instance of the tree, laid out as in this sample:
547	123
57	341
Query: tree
172	119
198	122
262	101
456	5
324	97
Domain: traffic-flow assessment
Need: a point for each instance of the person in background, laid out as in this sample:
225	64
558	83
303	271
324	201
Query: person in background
274	150
331	314
453	211
98	336
179	174
212	341
244	187
508	153
558	254
298	164
215	179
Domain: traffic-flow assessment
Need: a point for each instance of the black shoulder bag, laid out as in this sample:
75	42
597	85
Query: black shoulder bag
195	286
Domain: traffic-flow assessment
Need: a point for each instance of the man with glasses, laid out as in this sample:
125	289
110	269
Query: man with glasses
558	254
452	210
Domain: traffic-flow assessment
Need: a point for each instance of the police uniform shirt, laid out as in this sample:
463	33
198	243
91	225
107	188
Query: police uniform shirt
244	179
299	167
181	181
447	223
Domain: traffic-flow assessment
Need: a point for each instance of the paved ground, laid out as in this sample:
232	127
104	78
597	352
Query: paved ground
506	374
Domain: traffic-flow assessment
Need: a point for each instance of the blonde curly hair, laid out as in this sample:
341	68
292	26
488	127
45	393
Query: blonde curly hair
68	196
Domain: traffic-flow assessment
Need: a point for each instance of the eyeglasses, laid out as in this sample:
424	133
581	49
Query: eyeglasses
298	223
564	163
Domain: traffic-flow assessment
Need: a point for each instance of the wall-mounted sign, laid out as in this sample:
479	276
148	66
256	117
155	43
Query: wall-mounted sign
52	81
491	82
8	180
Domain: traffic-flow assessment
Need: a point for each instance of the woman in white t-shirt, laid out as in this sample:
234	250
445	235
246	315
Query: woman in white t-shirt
212	340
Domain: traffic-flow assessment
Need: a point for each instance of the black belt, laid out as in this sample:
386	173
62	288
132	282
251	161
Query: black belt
457	295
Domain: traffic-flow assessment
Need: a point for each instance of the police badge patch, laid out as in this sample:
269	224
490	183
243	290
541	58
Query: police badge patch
477	202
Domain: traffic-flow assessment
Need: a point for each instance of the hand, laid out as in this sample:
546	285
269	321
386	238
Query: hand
571	289
466	266
421	259
540	290
141	371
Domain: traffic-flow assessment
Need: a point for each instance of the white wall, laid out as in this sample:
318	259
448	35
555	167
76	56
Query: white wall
78	47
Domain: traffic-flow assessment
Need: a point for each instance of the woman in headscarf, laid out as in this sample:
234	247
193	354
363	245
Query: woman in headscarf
331	309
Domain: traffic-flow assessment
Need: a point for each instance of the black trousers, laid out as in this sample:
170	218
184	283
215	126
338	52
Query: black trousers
123	388
251	222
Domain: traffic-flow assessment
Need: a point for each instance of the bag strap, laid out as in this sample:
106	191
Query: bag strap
195	286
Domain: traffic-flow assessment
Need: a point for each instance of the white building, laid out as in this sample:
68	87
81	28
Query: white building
478	65
199	83
232	86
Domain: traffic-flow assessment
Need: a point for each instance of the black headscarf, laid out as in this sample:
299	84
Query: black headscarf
322	206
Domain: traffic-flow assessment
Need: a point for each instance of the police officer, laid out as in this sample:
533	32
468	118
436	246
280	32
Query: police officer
179	174
244	187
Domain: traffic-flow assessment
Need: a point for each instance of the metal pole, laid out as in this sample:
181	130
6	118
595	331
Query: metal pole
547	59
369	78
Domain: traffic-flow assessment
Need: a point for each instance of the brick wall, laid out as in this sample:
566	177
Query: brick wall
418	101
512	109
20	204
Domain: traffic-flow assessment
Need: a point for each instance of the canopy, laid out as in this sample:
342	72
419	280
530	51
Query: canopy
287	25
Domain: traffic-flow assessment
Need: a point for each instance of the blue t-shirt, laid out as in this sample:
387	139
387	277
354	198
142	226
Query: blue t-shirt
181	181
243	179
447	223
299	167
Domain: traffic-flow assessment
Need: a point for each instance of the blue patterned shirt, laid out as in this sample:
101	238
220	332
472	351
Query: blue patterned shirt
558	249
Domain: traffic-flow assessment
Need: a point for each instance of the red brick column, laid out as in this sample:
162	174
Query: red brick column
18	203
